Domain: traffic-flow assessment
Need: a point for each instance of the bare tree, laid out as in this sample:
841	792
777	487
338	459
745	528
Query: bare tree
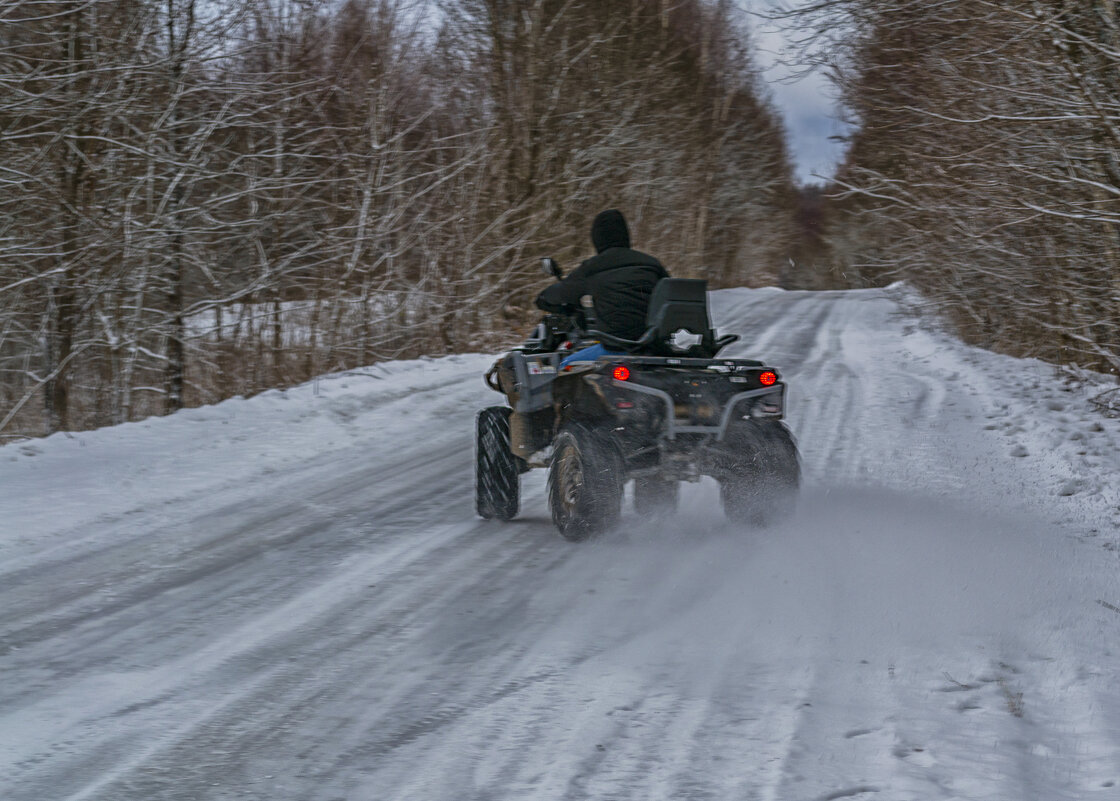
984	170
205	199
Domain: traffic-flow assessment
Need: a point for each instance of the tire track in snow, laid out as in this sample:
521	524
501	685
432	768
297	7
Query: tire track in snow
77	585
130	527
164	552
350	623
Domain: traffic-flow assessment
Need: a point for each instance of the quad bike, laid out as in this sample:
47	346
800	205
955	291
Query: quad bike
664	411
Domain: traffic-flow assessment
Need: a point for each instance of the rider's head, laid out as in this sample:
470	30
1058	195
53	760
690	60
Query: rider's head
609	231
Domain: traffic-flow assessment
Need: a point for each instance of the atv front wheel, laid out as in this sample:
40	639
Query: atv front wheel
760	473
497	472
584	483
655	496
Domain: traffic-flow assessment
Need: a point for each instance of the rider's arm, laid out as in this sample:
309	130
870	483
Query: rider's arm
563	296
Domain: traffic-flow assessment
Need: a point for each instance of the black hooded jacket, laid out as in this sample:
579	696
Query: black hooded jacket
619	280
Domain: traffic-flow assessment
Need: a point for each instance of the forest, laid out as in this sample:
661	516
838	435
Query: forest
203	200
985	170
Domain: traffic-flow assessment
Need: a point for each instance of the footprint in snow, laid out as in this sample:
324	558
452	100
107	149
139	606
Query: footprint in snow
848	735
1020	451
915	755
1071	487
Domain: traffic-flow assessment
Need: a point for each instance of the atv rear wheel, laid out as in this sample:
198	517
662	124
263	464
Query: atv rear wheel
497	471
760	473
655	496
584	483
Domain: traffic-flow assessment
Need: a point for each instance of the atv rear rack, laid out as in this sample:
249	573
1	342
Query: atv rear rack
672	427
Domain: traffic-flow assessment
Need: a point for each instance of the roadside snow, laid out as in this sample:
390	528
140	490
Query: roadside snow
66	481
1044	418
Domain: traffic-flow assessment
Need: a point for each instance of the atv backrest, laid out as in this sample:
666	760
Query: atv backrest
676	304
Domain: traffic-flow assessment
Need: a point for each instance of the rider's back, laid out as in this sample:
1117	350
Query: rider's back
619	280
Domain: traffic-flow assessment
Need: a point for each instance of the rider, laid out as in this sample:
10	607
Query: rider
618	279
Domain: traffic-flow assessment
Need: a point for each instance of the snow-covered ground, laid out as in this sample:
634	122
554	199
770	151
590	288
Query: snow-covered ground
289	597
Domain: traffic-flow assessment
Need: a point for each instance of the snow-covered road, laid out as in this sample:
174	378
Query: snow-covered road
290	597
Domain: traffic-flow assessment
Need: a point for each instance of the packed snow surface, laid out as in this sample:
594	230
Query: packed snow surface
290	597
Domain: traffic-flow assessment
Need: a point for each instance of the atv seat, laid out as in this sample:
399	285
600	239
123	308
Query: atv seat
678	314
677	323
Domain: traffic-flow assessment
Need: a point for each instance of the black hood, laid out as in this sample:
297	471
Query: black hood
609	231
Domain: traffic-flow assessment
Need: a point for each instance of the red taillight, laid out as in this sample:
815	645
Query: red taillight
621	373
768	378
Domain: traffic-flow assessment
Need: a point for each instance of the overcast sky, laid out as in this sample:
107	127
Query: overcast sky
807	103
